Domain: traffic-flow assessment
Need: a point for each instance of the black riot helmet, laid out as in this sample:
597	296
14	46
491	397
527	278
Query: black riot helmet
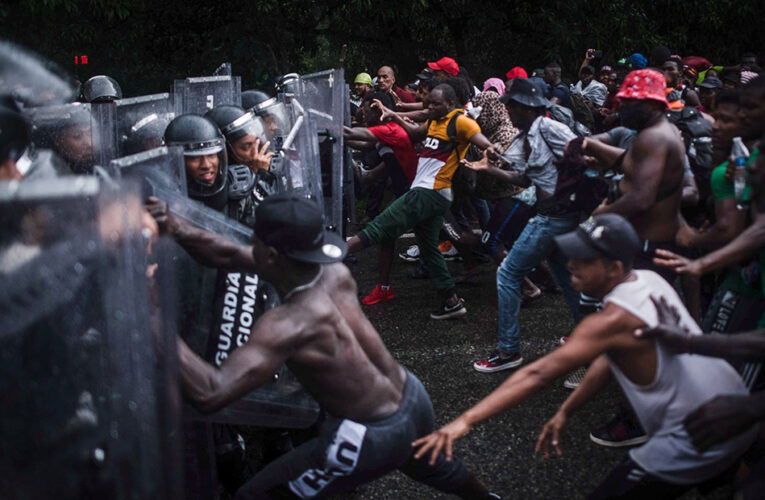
68	130
14	134
235	123
276	118
252	98
101	88
287	84
203	151
145	134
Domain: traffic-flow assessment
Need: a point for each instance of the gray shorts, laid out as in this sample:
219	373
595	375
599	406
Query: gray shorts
348	453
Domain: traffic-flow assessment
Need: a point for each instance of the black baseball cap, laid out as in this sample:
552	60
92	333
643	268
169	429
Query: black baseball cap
608	235
425	74
711	82
294	226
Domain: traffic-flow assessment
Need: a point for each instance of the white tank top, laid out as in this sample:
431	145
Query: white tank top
682	383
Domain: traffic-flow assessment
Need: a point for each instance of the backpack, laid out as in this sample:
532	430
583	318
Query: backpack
566	116
575	191
697	136
582	112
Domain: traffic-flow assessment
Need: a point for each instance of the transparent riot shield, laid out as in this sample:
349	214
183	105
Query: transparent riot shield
220	308
197	95
141	122
349	188
297	163
324	98
87	361
103	119
32	80
81	134
159	168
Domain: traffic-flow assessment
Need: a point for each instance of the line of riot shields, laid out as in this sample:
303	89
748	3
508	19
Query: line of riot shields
91	303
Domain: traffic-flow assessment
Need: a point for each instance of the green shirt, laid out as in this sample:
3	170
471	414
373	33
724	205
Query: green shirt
722	188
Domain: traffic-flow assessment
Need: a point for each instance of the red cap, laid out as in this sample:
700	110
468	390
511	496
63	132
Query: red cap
698	63
516	72
644	84
445	64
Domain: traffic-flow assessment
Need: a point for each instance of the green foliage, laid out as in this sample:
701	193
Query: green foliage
145	45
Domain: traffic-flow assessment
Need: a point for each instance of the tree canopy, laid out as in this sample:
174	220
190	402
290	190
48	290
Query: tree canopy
145	45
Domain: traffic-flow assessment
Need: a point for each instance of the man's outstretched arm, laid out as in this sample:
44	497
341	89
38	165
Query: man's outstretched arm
744	346
597	376
209	389
511	176
358	134
742	247
588	340
208	248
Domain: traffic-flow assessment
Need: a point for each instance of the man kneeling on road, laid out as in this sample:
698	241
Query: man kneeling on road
374	407
662	387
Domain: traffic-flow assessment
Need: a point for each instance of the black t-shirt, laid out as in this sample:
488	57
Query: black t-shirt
559	90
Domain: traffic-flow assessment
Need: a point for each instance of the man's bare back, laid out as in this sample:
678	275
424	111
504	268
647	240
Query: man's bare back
339	356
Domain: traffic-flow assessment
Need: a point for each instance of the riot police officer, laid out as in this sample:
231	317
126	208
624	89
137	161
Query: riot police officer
233	189
251	98
100	88
245	136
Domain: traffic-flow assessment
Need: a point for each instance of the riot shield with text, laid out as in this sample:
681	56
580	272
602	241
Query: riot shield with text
323	97
159	168
141	122
87	368
81	134
219	308
198	95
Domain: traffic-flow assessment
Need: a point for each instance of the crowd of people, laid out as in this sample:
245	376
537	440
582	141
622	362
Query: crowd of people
634	164
636	191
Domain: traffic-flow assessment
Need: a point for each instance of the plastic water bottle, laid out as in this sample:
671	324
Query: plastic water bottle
740	154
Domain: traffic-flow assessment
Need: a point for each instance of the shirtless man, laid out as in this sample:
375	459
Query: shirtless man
664	388
650	192
374	407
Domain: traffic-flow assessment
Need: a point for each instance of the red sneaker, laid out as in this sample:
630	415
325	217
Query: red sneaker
495	363
378	295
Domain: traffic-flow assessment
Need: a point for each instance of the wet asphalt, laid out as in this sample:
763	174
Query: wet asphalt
499	451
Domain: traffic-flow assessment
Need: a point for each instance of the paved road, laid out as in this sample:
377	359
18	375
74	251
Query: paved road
500	451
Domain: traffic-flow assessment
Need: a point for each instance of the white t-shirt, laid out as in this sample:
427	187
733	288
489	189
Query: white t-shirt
683	382
595	92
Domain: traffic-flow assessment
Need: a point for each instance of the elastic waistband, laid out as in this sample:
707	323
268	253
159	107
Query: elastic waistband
411	387
446	193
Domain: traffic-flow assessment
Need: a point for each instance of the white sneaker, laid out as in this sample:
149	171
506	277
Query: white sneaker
412	254
451	254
